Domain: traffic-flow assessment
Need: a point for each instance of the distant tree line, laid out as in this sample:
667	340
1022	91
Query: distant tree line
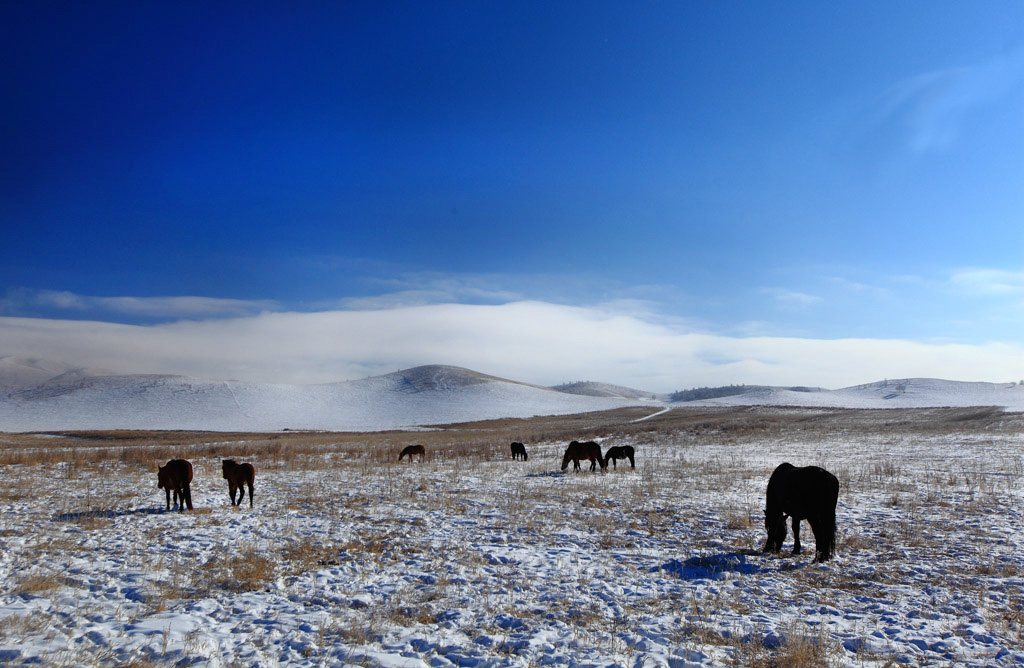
698	393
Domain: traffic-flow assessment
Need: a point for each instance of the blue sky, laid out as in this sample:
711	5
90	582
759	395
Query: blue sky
743	172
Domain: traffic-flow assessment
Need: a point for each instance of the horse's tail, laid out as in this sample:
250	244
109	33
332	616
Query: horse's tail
825	545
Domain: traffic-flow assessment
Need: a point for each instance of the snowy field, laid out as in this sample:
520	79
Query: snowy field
472	559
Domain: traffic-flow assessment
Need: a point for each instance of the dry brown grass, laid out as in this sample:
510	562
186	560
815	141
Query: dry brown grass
799	648
300	556
243	569
37	584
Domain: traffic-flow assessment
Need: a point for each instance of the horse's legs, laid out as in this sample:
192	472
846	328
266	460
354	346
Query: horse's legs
796	536
168	491
250	496
186	496
632	464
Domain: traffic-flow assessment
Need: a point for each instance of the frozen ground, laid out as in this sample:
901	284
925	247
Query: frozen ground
471	559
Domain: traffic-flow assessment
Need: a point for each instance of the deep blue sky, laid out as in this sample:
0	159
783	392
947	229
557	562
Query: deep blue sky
797	169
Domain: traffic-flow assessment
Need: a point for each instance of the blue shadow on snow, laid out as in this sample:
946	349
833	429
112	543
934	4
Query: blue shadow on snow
709	567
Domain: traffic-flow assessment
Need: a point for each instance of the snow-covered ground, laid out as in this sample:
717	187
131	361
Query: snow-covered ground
349	558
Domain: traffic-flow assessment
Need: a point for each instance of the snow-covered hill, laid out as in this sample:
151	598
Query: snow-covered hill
420	396
17	372
907	393
76	398
592	389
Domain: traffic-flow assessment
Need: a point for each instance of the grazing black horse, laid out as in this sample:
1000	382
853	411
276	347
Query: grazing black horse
808	493
577	451
413	450
519	450
619	452
238	476
176	476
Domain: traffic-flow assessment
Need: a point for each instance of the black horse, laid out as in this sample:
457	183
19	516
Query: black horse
808	493
411	450
619	452
519	450
577	451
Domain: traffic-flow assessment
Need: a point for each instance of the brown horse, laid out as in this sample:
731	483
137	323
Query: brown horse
238	476
619	452
176	475
413	450
519	451
577	451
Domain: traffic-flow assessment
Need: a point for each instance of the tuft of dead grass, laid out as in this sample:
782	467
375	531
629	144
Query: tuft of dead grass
242	570
37	584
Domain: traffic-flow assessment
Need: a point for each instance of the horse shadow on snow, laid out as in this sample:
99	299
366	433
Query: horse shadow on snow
106	514
710	566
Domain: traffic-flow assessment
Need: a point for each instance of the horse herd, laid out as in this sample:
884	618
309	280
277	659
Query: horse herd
176	477
806	493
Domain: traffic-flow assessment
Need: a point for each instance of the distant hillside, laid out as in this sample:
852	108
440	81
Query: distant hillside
76	398
16	372
592	389
420	396
905	393
699	393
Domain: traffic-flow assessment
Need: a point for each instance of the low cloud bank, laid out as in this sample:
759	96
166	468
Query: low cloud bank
529	341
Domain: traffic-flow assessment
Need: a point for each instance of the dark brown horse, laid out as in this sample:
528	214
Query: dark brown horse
238	476
413	450
808	493
619	452
577	451
176	476
519	450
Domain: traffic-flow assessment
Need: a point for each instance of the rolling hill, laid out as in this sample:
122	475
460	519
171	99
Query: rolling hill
415	397
76	398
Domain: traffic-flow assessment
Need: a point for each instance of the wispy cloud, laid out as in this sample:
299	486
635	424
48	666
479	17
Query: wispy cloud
532	341
988	282
929	110
790	298
145	307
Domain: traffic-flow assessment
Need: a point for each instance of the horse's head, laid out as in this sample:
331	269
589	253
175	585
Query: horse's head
568	454
227	465
775	525
163	480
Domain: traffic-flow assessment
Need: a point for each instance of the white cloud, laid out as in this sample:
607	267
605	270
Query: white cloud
149	307
988	282
931	108
530	341
791	298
